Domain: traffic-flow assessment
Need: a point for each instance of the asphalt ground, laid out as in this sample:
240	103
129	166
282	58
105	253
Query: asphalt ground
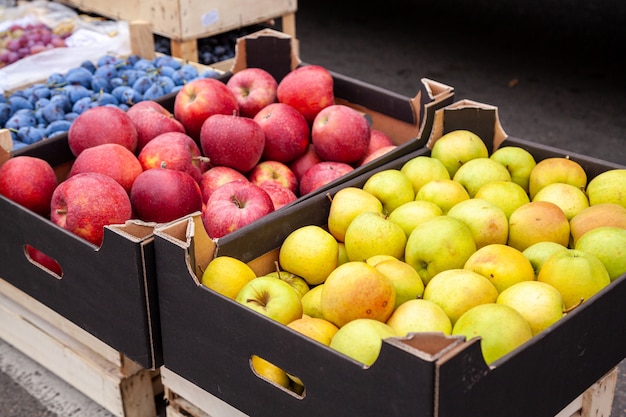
554	69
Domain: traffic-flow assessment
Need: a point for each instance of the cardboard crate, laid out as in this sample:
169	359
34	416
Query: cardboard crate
208	339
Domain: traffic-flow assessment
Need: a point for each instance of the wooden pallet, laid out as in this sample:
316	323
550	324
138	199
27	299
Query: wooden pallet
188	400
90	366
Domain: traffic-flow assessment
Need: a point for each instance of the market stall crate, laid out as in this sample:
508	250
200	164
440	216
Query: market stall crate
208	339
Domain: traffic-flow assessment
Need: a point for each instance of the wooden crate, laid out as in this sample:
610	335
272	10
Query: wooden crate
101	373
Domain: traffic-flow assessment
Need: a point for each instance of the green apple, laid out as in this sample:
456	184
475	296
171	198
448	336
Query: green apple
458	290
507	195
405	279
269	371
608	187
311	302
478	172
298	283
392	187
372	234
539	252
438	244
598	215
362	339
443	193
501	329
538	221
346	205
487	222
609	245
271	297
456	148
310	252
419	315
518	161
410	214
357	290
577	275
227	275
539	303
423	169
571	199
556	169
502	265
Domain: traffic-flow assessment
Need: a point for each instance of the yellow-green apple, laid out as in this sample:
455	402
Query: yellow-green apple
227	275
271	297
301	164
597	215
539	303
232	141
477	172
199	99
269	371
85	203
502	265
151	119
173	150
362	339
254	88
110	159
43	260
576	274
422	169
501	328
457	290
371	233
518	161
539	252
273	172
608	244
571	199
298	283
419	315
281	196
538	221
457	147
233	206
309	252
322	173
556	169
392	187
311	302
357	290
608	187
444	193
342	254
213	177
308	88
376	259
161	195
101	124
404	278
316	328
376	154
507	195
287	133
29	181
487	222
439	244
346	204
410	214
340	133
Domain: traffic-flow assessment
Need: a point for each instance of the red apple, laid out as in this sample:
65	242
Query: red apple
85	203
287	133
301	164
308	88
377	153
281	196
232	141
321	174
378	139
102	124
234	205
254	89
212	178
273	172
173	150
162	195
201	98
109	159
44	260
341	134
29	181
151	119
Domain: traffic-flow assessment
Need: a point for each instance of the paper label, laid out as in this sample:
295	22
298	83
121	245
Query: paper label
210	17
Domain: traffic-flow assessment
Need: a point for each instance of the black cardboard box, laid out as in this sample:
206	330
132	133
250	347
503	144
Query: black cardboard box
208	339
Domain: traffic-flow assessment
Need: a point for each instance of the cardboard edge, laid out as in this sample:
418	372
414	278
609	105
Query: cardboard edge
240	60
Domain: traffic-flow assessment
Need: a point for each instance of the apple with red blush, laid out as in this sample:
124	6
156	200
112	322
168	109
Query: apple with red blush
43	260
321	174
377	154
28	181
281	196
301	164
216	176
273	172
174	150
101	124
152	119
341	134
309	89
287	133
254	89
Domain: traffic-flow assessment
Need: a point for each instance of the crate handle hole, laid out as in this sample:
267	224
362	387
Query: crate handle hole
43	261
276	376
